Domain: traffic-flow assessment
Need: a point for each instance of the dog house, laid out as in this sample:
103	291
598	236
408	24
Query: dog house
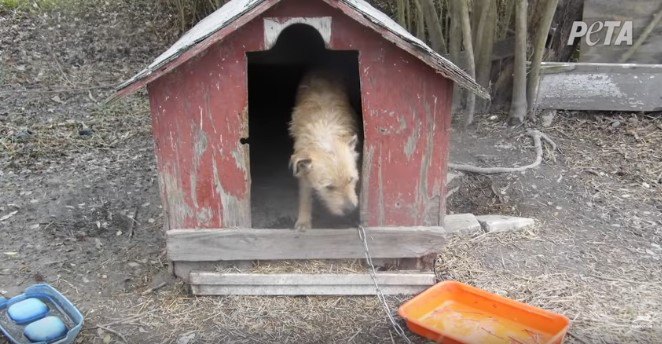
221	98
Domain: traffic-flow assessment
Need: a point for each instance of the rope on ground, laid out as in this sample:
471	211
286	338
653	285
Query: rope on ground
537	141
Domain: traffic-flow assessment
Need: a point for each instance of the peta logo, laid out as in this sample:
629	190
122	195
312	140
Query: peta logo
581	29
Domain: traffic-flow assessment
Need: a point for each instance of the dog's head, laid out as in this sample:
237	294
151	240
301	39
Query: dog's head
332	173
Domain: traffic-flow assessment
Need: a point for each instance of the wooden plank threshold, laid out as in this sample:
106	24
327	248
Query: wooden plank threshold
202	245
214	283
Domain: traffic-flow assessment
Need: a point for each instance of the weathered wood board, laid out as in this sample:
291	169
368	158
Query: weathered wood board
274	244
600	86
214	283
640	12
200	115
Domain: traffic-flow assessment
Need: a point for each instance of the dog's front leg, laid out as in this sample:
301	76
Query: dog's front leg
305	206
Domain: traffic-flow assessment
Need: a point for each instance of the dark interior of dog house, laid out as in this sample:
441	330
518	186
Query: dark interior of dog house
273	78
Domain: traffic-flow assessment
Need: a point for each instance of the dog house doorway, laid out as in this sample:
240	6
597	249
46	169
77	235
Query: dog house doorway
273	78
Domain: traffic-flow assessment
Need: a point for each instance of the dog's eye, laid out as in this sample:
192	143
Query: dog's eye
330	187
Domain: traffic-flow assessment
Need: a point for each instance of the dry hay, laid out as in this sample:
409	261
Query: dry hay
614	302
621	147
172	315
300	266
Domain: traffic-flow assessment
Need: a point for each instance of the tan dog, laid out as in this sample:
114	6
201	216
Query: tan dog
324	130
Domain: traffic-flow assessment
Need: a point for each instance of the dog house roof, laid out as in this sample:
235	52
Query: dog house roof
236	13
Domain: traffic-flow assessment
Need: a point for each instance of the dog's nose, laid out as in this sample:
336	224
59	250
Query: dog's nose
349	205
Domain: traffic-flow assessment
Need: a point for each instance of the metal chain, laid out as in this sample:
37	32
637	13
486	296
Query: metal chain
380	295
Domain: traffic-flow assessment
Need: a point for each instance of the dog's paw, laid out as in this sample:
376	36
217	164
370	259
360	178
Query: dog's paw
302	225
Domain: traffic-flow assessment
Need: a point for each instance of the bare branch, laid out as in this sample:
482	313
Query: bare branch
642	38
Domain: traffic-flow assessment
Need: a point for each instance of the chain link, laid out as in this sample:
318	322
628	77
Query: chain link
380	295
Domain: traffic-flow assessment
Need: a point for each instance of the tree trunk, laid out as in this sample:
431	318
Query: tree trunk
538	52
518	104
454	47
420	21
407	15
507	18
569	11
470	64
433	25
400	13
483	7
484	44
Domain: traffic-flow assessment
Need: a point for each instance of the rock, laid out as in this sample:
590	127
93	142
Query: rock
501	223
548	118
133	264
186	338
453	175
463	223
23	135
86	132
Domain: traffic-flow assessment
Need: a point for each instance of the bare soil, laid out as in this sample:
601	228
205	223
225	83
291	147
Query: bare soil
79	204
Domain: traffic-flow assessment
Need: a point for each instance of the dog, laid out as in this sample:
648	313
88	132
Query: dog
324	161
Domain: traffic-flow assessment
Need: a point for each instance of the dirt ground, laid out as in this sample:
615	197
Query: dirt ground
79	205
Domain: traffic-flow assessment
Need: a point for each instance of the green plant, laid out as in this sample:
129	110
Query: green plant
33	5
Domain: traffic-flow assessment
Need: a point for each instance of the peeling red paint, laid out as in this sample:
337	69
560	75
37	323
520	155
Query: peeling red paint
199	116
198	123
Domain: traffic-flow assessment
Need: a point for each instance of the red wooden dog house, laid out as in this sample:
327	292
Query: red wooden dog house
200	91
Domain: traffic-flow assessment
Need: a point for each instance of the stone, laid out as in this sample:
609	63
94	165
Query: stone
453	175
462	223
548	118
501	223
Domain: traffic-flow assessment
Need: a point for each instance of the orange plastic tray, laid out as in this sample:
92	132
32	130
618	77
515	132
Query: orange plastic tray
452	312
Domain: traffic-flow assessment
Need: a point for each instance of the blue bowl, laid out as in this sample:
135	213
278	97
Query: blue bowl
60	325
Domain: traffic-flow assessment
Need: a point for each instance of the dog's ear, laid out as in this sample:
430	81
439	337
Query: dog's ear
353	141
300	164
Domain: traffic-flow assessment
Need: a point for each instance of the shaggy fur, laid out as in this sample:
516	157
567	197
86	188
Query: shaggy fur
324	130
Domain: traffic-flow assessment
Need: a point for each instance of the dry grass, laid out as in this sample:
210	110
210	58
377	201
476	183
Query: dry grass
607	302
606	305
32	5
624	147
605	278
189	12
309	267
252	319
618	159
595	256
26	142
